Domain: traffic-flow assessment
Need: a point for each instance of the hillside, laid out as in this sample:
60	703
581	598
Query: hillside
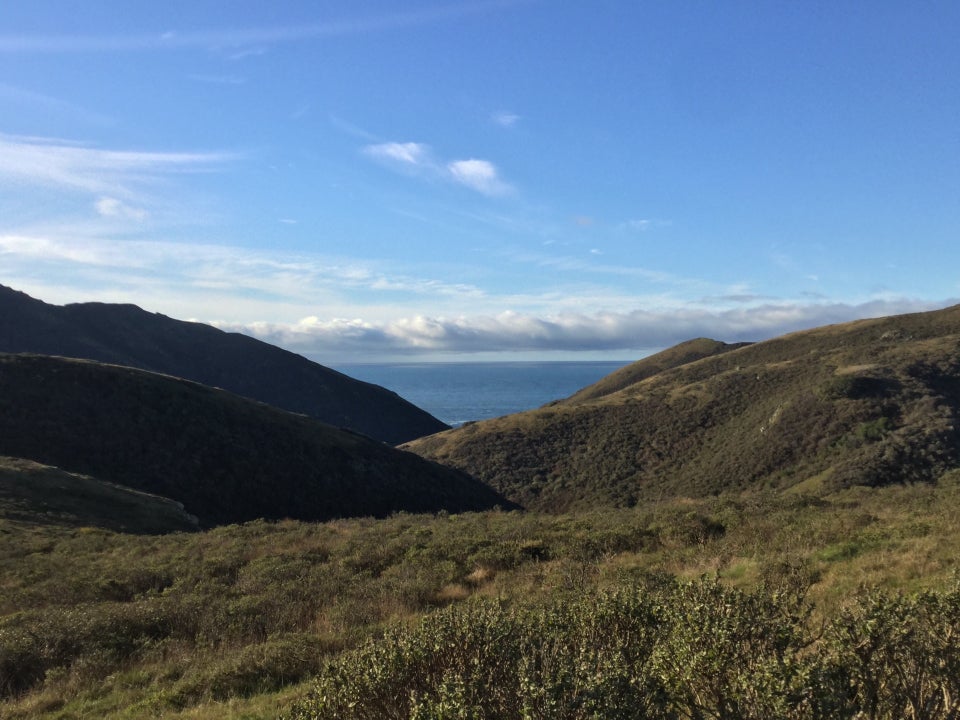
226	458
43	495
864	403
681	354
127	335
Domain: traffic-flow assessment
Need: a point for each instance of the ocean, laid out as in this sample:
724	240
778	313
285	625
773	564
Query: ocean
458	392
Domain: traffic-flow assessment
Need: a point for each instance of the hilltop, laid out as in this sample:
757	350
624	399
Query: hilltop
863	403
226	458
128	335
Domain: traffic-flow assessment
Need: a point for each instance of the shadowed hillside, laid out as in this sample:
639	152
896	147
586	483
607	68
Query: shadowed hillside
42	495
127	335
226	458
871	402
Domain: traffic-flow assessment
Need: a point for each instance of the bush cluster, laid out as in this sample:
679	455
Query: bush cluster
665	649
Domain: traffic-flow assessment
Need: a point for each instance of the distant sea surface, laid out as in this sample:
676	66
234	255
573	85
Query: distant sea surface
456	393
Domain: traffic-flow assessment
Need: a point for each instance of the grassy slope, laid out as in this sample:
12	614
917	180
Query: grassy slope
226	458
95	624
40	494
633	373
869	402
231	621
127	335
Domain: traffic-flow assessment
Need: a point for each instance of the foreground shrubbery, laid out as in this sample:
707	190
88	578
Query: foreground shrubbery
234	621
665	650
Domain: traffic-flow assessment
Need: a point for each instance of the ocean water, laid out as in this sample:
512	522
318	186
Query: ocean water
456	393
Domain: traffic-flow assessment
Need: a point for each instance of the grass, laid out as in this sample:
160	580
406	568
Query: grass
95	623
32	492
776	508
224	457
866	403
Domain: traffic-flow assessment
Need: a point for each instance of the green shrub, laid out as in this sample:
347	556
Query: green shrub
901	655
693	650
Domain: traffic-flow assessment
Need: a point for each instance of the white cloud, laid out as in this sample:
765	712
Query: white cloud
278	279
505	119
358	309
112	208
633	332
479	175
57	164
408	153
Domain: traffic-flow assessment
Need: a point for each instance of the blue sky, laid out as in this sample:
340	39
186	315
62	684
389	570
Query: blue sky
525	179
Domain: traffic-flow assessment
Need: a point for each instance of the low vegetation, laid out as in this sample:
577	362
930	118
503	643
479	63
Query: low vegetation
659	649
238	619
763	531
866	403
224	457
35	493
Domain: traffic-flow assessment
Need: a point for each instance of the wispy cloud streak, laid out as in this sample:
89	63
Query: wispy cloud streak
172	39
62	165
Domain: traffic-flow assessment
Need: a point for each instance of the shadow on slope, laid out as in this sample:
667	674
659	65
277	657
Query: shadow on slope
226	458
127	335
42	495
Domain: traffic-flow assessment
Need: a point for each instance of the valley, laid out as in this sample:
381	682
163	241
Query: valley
174	550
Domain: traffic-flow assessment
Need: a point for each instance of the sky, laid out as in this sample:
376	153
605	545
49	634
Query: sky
370	180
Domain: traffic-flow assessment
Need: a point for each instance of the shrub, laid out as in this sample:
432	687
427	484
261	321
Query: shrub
901	655
692	650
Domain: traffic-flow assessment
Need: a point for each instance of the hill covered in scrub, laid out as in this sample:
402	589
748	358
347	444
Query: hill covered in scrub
226	458
863	403
42	495
127	335
633	373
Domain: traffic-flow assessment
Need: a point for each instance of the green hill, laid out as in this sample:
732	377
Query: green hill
127	335
43	495
226	458
864	403
681	354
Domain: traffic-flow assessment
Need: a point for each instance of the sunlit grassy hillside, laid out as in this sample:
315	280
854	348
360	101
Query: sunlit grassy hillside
866	403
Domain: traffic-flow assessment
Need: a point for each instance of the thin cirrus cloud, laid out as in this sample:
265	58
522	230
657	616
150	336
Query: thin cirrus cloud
111	207
256	36
505	119
405	154
38	101
417	158
62	165
370	311
282	275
